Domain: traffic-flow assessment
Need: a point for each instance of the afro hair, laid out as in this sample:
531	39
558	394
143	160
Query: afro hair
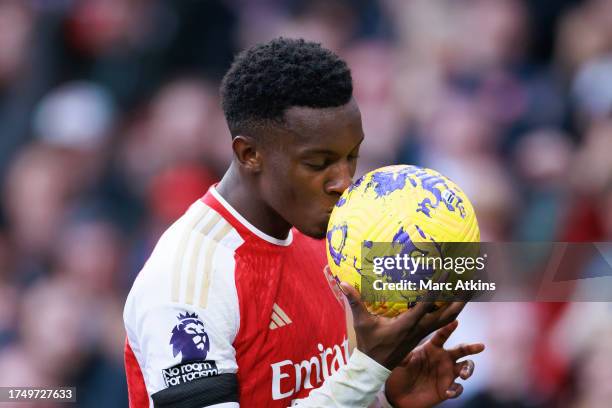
267	79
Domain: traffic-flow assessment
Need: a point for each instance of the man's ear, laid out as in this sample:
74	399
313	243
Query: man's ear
245	150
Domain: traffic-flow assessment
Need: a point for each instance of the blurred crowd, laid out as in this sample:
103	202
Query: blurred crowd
111	127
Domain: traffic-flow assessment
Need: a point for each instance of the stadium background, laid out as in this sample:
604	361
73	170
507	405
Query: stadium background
110	125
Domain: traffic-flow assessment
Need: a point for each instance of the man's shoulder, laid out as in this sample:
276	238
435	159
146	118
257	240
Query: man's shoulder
195	234
180	267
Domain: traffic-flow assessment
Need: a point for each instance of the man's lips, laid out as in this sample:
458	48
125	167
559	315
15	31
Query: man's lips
331	208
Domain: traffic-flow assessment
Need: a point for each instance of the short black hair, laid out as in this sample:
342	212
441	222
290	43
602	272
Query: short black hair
267	79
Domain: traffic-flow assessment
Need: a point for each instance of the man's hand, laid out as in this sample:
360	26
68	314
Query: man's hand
389	340
427	375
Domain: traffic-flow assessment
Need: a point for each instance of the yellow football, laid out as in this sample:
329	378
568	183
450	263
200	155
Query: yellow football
393	213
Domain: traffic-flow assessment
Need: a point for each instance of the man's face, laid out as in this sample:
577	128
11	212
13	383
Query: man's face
308	164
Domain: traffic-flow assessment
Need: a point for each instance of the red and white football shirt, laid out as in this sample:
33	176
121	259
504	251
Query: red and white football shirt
222	312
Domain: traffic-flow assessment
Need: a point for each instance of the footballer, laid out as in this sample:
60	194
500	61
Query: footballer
234	307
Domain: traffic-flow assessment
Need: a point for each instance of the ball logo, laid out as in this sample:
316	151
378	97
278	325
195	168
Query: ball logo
189	338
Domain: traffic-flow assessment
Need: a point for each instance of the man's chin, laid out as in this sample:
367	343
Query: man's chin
318	235
315	232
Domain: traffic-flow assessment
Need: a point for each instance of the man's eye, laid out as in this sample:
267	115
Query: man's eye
316	166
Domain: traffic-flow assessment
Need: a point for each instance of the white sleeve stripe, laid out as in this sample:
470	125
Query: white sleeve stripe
192	268
203	230
208	259
191	262
192	265
194	218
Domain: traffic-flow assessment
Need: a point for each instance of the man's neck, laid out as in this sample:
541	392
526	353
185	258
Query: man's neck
245	198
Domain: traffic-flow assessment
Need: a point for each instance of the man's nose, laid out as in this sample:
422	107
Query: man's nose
341	179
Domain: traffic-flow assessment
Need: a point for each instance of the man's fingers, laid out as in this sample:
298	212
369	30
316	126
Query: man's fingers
443	316
441	335
410	318
451	312
454	391
464	369
463	350
357	306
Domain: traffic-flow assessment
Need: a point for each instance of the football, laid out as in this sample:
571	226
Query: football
387	227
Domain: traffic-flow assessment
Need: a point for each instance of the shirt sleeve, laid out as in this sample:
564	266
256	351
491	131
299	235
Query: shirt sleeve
381	400
354	385
184	349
